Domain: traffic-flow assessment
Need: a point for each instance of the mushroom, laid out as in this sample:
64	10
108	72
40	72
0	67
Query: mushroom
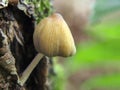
52	37
3	3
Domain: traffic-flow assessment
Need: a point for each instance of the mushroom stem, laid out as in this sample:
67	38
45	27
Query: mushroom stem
30	68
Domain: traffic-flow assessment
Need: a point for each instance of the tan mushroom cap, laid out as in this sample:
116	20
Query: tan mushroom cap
52	37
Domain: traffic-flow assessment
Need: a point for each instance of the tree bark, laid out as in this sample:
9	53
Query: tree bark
18	29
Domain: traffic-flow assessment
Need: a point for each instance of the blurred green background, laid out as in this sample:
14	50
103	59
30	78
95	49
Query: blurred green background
96	65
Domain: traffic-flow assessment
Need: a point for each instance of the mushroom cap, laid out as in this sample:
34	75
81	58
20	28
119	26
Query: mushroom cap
52	37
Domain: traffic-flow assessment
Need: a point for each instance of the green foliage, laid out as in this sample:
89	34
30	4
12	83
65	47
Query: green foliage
58	80
105	38
104	7
103	82
92	54
107	29
102	50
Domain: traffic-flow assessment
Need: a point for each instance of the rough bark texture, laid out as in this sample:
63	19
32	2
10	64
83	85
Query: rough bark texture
19	30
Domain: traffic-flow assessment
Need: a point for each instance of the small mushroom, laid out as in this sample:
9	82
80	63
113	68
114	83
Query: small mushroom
3	3
52	37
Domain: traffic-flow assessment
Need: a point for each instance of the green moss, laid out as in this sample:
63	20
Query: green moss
43	8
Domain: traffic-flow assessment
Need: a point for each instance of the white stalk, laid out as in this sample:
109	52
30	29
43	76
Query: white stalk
30	68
